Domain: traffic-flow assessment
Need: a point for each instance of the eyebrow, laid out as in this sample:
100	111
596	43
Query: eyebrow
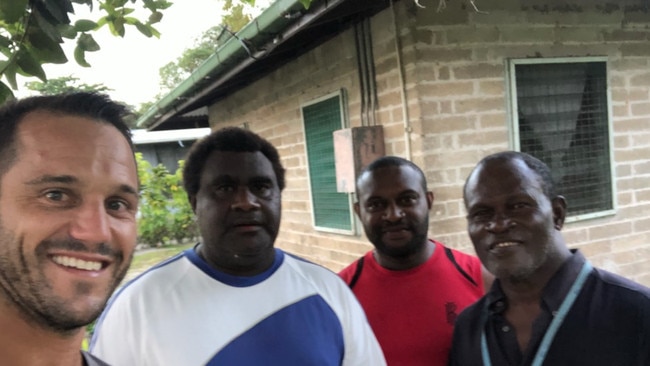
128	189
65	179
68	179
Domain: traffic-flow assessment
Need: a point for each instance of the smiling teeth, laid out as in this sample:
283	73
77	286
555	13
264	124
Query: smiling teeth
77	263
505	244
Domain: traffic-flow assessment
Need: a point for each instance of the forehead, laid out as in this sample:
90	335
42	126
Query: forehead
237	165
59	144
390	180
499	178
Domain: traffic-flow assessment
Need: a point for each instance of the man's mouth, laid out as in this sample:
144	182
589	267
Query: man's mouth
503	244
77	263
395	229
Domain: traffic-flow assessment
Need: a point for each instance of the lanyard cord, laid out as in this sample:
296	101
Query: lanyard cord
555	323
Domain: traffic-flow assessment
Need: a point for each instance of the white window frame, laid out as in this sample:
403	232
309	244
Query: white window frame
344	124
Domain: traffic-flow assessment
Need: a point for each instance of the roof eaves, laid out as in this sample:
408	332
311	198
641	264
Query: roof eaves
226	60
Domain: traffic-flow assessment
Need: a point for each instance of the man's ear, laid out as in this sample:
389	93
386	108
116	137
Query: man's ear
429	199
559	212
357	208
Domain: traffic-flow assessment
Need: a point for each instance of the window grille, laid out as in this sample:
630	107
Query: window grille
562	116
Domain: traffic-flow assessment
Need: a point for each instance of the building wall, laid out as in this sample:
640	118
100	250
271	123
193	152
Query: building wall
453	79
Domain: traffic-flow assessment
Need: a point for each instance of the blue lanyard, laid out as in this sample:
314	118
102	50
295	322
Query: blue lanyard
555	324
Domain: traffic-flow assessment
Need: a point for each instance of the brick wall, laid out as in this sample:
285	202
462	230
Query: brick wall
453	70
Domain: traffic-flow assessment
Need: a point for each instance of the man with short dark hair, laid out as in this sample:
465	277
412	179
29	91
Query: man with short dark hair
68	201
411	287
548	305
234	299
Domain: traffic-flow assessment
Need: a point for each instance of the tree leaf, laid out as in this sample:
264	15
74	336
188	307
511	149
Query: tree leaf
130	20
155	17
84	25
87	43
9	73
154	32
144	29
29	65
43	48
4	41
116	26
49	55
5	93
80	57
12	11
68	31
47	27
118	3
55	11
84	2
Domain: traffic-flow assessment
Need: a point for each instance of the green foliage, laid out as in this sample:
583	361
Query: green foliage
175	72
165	213
32	32
64	84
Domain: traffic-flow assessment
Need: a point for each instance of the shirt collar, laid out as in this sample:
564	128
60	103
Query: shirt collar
555	291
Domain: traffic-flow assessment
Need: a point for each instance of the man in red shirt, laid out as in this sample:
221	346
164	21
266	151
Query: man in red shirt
412	288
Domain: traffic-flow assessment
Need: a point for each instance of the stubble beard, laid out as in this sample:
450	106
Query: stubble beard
29	292
417	242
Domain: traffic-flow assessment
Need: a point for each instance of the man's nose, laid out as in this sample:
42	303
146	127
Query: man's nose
245	200
91	223
393	212
500	223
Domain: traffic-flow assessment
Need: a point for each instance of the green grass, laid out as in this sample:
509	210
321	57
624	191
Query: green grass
145	259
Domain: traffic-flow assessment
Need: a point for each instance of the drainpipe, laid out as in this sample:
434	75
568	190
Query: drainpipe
400	69
372	77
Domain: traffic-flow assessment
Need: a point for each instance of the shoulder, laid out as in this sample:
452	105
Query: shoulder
323	281
152	285
620	286
348	272
471	315
90	360
460	257
310	271
461	260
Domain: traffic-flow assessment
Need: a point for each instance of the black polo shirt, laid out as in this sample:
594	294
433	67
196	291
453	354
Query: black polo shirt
608	325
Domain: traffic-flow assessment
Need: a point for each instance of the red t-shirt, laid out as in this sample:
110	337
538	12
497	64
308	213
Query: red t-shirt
412	312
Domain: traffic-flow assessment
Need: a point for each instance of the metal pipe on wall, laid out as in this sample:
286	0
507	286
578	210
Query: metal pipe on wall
400	69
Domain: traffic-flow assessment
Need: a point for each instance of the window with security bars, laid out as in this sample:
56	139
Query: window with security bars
331	209
562	114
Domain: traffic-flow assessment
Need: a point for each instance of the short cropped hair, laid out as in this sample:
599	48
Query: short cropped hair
549	188
82	104
388	161
231	139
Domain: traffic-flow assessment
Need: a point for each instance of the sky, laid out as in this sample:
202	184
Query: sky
130	65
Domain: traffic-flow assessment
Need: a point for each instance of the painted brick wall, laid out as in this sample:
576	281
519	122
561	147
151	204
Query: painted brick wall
453	78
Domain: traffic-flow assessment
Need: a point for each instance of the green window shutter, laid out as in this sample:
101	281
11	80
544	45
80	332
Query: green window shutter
331	208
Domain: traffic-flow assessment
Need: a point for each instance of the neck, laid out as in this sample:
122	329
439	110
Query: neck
25	344
403	263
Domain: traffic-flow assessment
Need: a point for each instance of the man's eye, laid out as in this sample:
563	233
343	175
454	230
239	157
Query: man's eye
373	206
409	200
262	189
117	205
480	215
224	188
520	205
55	195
